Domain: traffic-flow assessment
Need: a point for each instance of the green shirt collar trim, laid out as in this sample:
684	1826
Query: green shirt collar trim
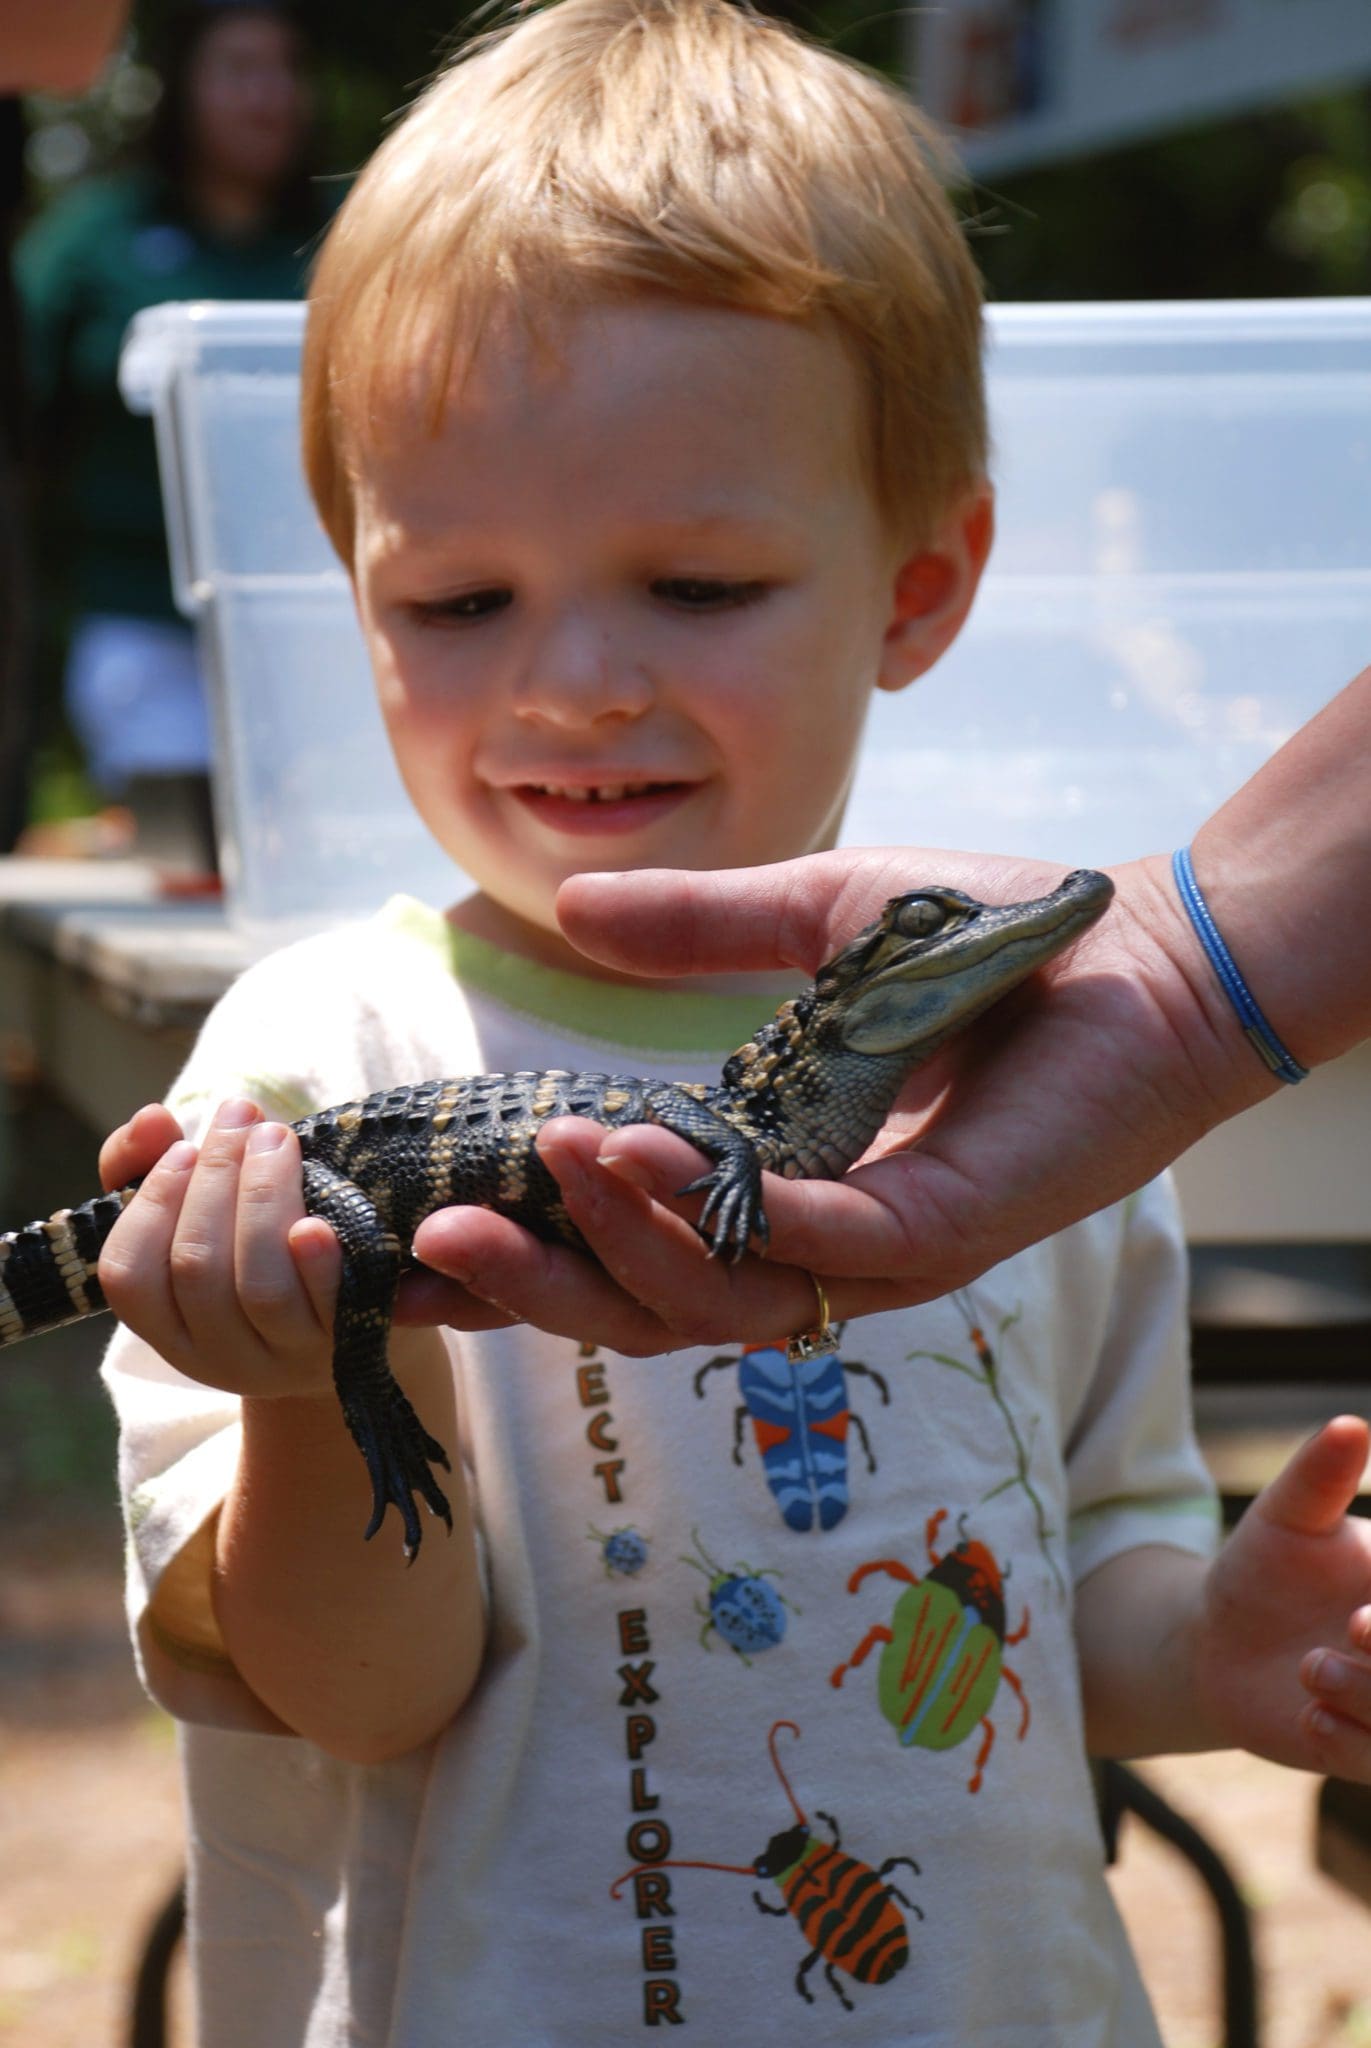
682	1021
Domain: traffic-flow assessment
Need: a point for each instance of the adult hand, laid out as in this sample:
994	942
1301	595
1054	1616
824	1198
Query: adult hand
1081	1085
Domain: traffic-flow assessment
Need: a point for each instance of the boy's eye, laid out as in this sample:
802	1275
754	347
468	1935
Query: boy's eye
463	609
707	593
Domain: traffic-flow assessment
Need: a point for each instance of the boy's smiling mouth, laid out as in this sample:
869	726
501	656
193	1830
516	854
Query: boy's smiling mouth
600	792
608	806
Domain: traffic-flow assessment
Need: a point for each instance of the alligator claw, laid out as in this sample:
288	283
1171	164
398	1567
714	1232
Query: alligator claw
399	1455
732	1214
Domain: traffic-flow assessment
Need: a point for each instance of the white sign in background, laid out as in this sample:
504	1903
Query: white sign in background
1023	82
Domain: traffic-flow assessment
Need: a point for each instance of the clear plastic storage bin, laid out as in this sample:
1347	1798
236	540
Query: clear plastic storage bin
1182	575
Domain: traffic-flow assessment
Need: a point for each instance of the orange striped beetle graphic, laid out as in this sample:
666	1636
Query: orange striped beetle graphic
843	1907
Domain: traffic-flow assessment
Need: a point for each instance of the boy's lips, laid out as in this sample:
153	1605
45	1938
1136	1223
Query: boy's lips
591	809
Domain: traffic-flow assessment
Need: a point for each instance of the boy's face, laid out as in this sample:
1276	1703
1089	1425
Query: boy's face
627	607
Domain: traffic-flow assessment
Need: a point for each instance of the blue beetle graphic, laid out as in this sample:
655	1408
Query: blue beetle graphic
800	1418
622	1550
743	1609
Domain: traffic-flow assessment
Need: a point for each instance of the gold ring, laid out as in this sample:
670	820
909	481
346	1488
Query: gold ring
816	1342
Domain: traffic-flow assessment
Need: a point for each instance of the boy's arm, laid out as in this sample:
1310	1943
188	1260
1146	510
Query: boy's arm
1267	1648
346	1644
217	1269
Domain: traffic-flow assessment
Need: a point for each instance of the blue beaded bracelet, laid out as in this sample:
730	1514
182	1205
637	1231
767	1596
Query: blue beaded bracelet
1255	1026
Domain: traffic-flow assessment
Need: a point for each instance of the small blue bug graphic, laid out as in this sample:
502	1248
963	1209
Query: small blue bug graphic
749	1614
800	1418
622	1551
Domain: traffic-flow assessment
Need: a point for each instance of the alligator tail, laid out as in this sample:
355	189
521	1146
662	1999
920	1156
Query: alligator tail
48	1270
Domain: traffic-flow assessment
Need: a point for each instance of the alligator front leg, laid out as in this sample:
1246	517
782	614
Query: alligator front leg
399	1451
733	1186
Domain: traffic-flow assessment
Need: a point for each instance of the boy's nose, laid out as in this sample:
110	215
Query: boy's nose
579	672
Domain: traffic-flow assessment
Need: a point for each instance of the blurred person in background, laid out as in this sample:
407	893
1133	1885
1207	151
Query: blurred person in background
218	206
45	46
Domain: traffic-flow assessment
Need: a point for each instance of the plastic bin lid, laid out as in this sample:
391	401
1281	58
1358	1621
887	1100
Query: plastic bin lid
164	341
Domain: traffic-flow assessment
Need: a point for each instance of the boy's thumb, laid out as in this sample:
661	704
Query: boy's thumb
1314	1491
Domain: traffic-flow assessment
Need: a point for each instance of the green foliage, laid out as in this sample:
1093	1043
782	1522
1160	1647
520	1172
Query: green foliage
1272	204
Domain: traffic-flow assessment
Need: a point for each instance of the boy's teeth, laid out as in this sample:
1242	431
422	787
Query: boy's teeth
604	793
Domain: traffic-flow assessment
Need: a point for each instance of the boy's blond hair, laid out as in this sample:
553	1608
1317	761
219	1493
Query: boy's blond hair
603	149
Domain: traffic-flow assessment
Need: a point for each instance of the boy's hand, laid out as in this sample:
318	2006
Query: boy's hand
215	1263
1282	1644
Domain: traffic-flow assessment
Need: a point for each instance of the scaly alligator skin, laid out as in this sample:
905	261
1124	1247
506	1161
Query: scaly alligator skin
803	1098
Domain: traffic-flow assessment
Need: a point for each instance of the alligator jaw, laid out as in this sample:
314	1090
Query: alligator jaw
906	994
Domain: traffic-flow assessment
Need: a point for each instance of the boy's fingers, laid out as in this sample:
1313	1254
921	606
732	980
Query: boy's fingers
270	1287
135	1262
203	1278
131	1151
1338	1746
318	1260
1315	1490
1341	1684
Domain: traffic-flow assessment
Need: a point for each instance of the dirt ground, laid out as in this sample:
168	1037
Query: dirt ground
89	1802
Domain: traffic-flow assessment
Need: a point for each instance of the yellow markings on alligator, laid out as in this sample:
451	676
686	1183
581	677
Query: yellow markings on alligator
513	1185
349	1119
615	1098
438	1178
72	1268
698	1089
449	1101
546	1095
12	1324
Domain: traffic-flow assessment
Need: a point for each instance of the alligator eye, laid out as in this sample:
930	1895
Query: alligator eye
919	917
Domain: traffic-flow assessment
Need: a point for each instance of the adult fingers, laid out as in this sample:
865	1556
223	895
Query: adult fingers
427	1298
790	914
901	1223
506	1275
514	1277
658	1260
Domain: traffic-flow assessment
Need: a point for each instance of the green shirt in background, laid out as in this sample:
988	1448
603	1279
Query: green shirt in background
96	257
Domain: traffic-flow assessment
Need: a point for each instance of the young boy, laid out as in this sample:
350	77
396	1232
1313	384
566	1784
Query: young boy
642	401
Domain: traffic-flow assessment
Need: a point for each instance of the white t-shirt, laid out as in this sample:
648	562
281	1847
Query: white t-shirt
780	1711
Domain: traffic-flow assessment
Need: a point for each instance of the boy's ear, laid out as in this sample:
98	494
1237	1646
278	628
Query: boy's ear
934	589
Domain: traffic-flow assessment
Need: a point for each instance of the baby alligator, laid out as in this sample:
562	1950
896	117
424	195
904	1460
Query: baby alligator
803	1098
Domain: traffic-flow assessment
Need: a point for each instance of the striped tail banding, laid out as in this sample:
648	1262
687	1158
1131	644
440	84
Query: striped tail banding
48	1270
